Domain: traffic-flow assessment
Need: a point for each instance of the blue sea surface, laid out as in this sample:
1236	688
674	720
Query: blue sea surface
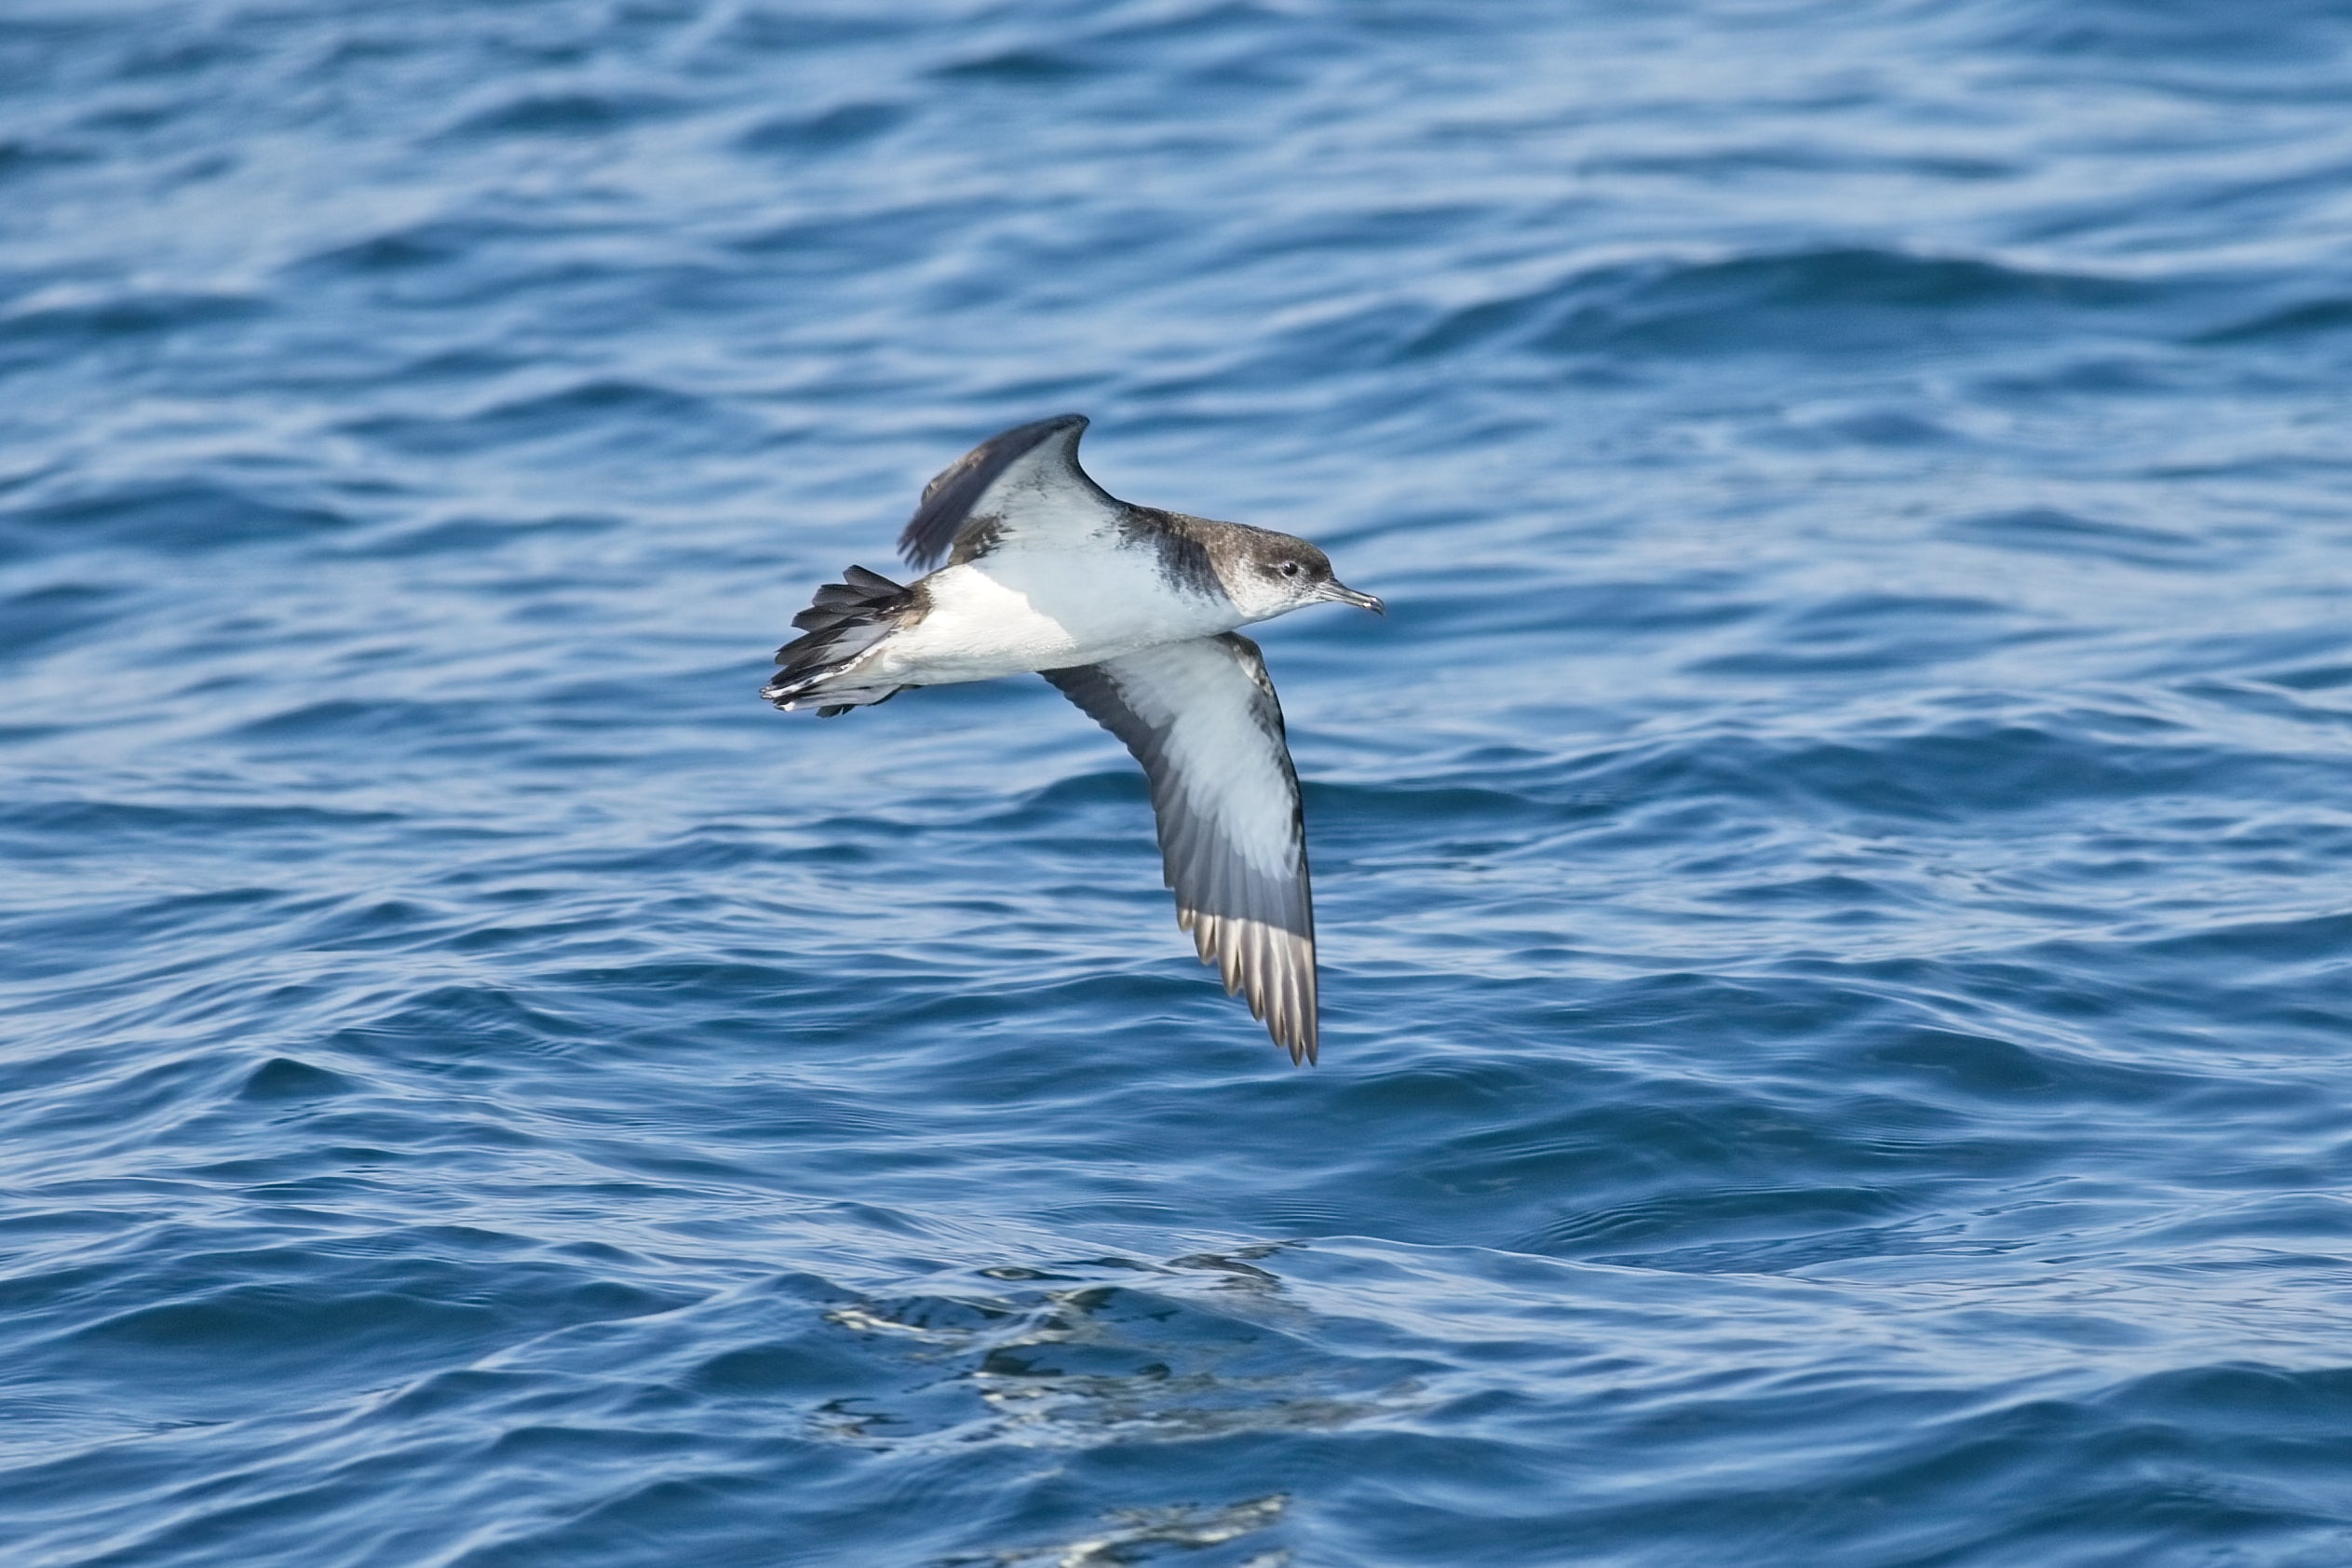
1835	874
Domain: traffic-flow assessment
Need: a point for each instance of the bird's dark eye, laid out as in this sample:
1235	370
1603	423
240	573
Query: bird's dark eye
1290	568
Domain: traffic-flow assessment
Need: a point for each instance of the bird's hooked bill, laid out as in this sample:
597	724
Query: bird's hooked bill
1342	594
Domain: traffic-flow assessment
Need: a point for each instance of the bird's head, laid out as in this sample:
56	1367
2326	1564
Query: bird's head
1279	574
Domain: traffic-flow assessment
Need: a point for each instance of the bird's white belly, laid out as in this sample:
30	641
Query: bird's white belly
1016	612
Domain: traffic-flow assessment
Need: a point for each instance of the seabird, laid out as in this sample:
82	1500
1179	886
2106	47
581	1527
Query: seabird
1131	612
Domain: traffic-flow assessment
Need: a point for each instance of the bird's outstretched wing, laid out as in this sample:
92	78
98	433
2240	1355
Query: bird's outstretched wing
1020	485
1201	717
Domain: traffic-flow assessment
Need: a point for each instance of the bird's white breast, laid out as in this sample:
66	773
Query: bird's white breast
1015	609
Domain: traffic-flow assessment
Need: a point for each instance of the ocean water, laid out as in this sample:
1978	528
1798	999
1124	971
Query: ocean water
1835	875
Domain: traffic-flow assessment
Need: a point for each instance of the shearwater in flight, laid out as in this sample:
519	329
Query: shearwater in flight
1131	612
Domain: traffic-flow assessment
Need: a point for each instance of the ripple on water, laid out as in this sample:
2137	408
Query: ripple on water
1829	880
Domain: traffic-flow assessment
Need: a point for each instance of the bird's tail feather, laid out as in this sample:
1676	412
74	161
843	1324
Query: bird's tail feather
847	621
